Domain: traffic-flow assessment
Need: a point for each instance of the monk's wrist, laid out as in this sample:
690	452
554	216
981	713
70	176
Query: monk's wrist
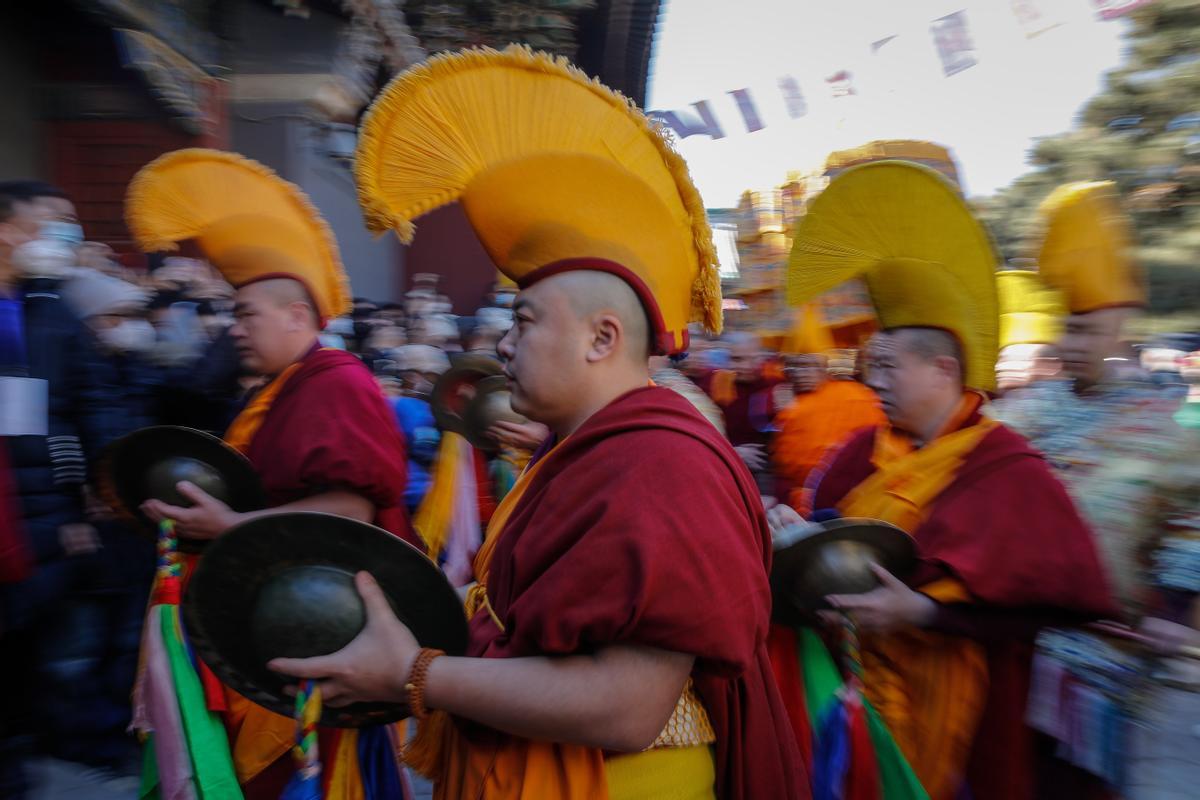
924	611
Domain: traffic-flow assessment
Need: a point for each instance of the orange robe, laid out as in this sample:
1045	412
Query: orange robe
815	423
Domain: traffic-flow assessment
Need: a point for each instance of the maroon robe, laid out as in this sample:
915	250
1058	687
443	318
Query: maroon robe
330	428
644	527
749	416
1008	531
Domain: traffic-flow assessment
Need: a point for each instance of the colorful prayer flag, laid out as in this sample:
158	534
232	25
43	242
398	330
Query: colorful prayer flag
1111	9
953	42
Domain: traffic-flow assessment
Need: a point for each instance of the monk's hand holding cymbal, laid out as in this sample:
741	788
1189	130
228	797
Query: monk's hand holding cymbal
891	605
372	668
207	518
521	435
781	515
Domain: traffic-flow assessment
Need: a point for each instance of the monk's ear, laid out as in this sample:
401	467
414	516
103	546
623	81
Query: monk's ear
608	336
300	315
950	367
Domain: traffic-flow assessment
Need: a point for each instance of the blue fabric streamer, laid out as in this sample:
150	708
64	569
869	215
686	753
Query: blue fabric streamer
832	757
377	763
302	787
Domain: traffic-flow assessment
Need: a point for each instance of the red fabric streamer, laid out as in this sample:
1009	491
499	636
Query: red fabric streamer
781	647
862	779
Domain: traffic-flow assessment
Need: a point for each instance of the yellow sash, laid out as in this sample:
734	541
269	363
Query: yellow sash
242	430
929	687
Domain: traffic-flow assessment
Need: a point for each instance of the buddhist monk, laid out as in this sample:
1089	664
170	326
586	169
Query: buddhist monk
324	440
745	396
319	433
824	414
1002	550
618	626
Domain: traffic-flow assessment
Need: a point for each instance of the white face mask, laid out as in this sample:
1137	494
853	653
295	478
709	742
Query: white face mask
69	233
44	258
130	336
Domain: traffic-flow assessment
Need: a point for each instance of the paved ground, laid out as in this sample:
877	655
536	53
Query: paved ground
62	780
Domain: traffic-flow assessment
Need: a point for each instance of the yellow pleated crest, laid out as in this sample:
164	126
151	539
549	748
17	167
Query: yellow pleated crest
1030	311
926	260
1085	252
549	164
249	222
810	332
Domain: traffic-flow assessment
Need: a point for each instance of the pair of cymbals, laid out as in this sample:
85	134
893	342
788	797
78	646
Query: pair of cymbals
282	586
816	559
149	463
471	397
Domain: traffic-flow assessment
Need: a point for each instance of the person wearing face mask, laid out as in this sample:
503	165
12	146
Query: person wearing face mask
115	311
56	416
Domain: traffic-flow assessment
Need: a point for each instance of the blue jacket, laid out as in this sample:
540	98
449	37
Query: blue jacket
84	416
423	437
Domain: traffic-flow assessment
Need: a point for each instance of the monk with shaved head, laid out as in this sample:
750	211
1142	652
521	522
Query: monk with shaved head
1000	549
594	626
319	433
618	625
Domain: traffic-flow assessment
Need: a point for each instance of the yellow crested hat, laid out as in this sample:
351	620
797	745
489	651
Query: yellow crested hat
926	260
1030	311
555	172
809	333
1085	252
251	224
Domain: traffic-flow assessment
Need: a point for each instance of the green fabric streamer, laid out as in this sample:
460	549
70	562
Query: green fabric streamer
821	684
207	741
896	776
821	677
149	788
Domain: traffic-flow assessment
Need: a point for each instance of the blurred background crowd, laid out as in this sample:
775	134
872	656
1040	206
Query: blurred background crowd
97	342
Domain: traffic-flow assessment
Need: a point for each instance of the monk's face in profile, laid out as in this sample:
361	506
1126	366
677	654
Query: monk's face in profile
580	339
911	385
544	352
275	325
806	372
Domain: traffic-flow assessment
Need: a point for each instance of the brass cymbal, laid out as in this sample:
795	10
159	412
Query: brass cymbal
455	388
814	560
282	586
491	404
148	463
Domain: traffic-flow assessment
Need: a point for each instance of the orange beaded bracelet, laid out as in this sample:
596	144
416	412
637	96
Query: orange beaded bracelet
415	686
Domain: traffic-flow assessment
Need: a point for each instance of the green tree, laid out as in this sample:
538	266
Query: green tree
1143	132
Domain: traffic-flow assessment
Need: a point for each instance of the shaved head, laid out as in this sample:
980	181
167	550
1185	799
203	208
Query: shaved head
930	343
591	293
276	324
918	375
580	339
285	291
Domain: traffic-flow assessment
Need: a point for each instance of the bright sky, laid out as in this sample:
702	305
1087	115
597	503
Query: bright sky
1021	88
